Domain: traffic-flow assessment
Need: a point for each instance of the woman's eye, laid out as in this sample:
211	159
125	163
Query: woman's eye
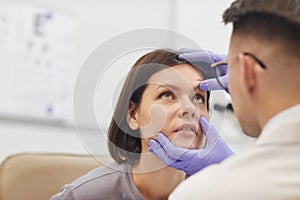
166	95
198	99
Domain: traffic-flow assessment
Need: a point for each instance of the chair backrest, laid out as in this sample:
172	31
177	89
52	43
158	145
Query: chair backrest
39	176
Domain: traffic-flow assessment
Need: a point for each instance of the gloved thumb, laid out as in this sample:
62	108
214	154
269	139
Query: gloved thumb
196	56
188	50
209	131
210	84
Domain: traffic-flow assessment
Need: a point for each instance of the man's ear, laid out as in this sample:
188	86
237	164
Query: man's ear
248	72
132	116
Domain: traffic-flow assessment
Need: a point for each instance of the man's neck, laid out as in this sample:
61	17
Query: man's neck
275	108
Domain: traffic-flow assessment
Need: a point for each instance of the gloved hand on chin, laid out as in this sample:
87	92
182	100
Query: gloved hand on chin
192	160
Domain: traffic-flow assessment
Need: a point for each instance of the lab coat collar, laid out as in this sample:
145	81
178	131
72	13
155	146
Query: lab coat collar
284	128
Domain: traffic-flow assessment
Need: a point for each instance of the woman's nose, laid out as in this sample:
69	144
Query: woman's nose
188	109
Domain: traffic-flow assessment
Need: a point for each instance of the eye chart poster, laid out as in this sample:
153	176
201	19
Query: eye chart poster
38	53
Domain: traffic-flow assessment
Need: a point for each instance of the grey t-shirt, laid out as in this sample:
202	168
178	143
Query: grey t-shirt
108	182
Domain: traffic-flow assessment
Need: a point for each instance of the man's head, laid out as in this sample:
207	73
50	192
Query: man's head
263	58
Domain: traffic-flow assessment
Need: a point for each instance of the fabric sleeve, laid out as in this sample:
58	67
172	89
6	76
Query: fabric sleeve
65	194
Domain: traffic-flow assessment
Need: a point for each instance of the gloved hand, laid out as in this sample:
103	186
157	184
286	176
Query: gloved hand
192	55
192	160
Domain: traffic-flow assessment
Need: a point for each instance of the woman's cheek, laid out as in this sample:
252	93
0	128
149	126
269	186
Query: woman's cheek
203	112
157	115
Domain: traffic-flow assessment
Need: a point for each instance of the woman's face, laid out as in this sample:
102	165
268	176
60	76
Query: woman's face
172	104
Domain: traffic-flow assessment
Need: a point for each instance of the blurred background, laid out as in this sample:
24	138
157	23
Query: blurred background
43	44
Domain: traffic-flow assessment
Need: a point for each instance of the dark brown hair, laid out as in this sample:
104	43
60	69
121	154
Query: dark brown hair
271	20
124	143
287	9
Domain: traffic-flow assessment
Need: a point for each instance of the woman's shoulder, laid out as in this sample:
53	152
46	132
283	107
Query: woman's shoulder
106	181
103	172
108	174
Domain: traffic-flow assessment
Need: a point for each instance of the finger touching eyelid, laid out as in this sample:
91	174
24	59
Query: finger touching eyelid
200	80
198	83
200	92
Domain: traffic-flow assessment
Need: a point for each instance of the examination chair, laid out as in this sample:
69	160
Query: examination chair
39	176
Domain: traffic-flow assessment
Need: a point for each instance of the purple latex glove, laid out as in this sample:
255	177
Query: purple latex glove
192	55
192	160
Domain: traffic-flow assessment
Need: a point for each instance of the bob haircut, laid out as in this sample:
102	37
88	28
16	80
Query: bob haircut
124	143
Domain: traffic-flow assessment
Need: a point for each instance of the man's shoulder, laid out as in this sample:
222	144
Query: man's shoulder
255	160
252	174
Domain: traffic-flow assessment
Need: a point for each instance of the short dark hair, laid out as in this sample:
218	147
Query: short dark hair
124	143
272	20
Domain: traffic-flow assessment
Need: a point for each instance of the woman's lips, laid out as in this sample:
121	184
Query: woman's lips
187	130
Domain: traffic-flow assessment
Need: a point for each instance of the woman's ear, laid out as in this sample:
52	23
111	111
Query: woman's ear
132	116
248	73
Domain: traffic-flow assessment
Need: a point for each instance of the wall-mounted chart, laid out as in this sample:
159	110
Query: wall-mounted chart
38	51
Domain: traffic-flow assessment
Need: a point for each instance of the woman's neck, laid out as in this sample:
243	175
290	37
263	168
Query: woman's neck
153	179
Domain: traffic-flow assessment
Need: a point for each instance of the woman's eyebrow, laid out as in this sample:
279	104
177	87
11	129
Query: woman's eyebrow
197	88
175	88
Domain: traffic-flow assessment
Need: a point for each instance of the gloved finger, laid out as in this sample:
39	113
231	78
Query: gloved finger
222	69
188	50
157	150
196	57
189	154
209	131
180	165
224	80
172	150
217	57
210	84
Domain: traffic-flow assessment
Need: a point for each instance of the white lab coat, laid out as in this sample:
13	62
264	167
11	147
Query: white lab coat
269	171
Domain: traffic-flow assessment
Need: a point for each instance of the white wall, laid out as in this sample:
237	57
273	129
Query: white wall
99	21
201	20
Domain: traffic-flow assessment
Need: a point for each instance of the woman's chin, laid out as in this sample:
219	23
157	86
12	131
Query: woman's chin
184	142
